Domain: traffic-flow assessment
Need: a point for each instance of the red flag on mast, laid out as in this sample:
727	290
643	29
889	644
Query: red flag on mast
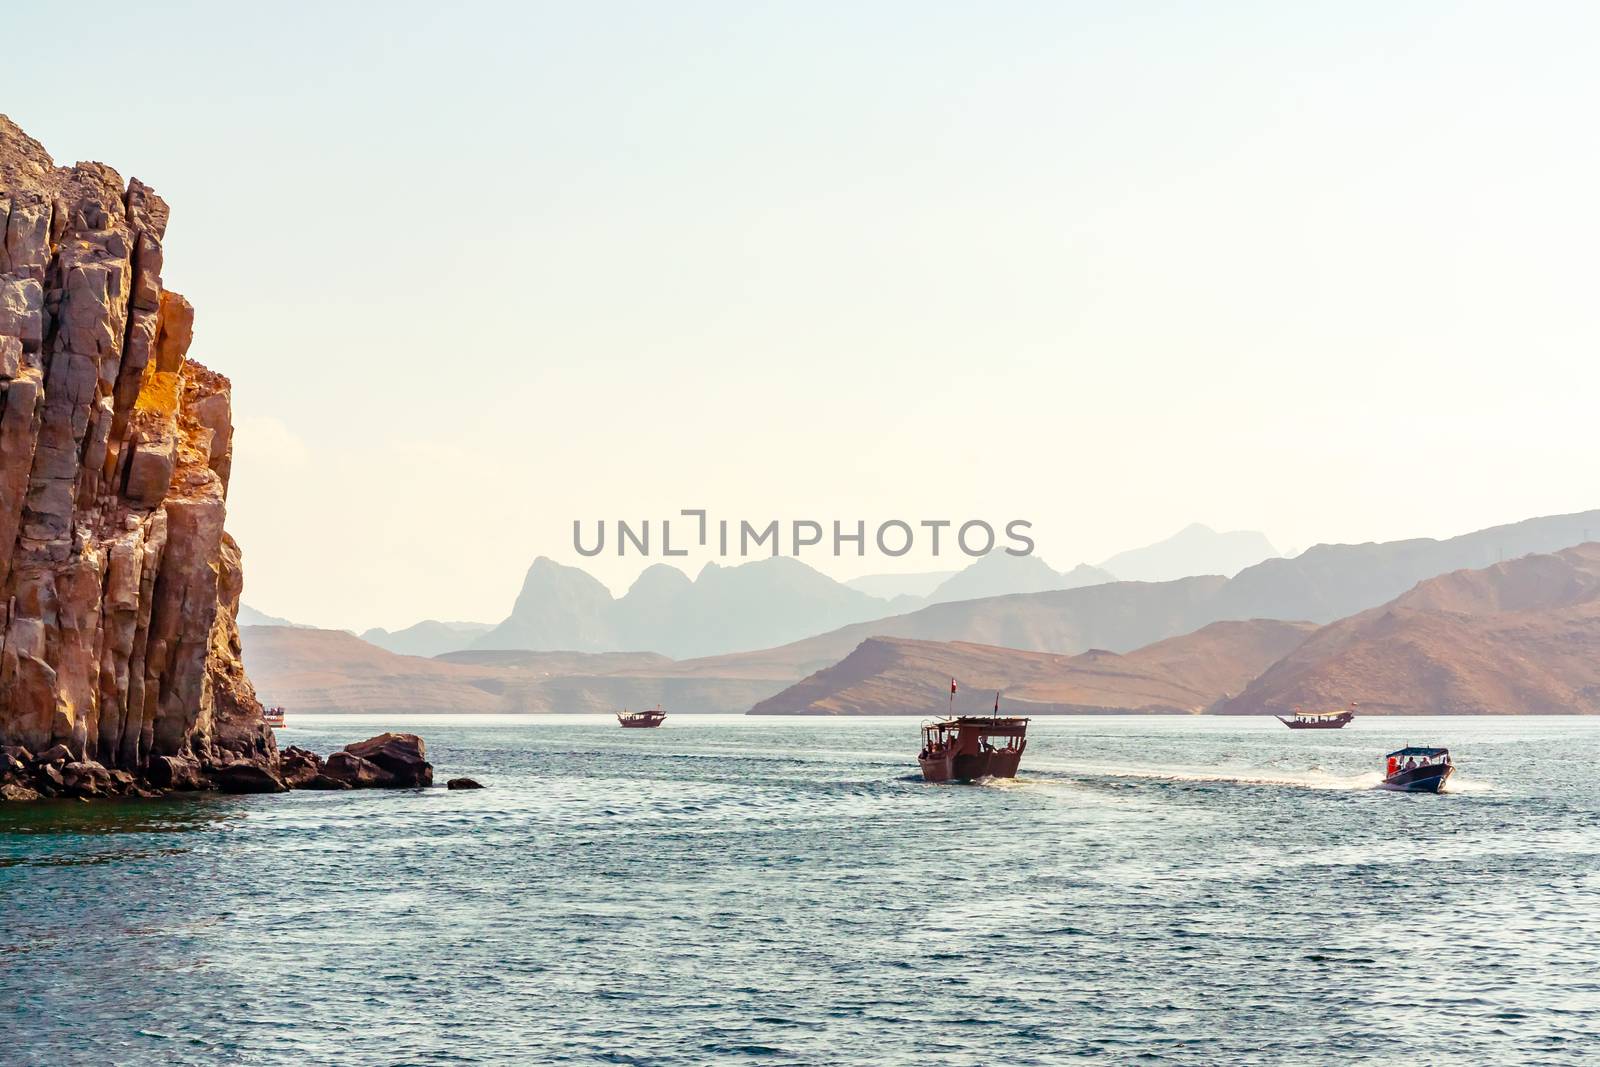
952	687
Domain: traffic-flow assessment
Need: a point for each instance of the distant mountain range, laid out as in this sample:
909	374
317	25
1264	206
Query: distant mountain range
1521	636
429	637
752	606
771	601
766	602
249	616
328	670
1001	575
1322	584
333	671
1195	549
1328	582
1516	636
889	586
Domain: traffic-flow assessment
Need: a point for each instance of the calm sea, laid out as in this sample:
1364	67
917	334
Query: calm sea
729	890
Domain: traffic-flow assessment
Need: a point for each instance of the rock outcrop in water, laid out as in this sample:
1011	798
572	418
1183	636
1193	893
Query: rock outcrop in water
388	761
118	583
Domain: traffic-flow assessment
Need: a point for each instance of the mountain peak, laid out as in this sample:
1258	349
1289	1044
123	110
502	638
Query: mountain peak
1001	574
1195	549
658	577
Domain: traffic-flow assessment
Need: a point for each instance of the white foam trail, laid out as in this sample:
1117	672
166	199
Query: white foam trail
1307	779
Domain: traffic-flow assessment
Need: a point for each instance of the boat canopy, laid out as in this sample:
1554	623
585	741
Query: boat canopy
1418	750
995	725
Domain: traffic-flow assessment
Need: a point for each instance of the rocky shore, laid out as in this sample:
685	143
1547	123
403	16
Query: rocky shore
388	761
120	669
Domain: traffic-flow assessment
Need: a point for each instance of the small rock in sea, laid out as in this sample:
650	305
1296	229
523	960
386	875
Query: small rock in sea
247	778
403	757
13	791
463	783
322	781
299	766
86	778
356	772
177	773
57	753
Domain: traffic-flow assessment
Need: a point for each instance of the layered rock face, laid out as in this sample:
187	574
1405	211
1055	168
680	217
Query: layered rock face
118	583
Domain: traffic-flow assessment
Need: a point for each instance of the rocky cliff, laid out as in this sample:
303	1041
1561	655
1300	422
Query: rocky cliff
118	583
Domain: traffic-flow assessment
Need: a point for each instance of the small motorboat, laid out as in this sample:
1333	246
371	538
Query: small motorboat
636	720
1417	769
273	716
1319	720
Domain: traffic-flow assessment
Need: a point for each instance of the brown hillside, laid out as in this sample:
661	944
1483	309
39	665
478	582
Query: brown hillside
893	676
332	672
1521	637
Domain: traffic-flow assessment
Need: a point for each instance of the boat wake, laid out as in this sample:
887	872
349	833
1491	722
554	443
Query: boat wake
1307	779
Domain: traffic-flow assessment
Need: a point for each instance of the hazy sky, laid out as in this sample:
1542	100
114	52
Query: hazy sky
479	269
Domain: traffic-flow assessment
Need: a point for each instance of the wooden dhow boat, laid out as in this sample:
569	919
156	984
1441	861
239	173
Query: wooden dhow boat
962	748
1319	720
636	720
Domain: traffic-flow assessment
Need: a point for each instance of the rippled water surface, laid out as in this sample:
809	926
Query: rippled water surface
788	891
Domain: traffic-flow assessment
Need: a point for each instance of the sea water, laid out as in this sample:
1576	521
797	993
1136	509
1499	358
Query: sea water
788	891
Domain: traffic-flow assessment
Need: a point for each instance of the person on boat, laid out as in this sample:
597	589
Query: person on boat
1394	765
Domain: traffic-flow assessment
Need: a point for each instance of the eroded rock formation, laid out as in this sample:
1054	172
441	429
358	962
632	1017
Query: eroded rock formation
118	583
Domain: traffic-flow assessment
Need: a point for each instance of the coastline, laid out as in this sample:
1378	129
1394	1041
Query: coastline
384	761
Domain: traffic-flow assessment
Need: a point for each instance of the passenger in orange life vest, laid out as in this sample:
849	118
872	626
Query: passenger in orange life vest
1394	765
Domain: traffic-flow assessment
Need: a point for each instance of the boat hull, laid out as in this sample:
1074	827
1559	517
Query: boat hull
1429	779
641	724
967	767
